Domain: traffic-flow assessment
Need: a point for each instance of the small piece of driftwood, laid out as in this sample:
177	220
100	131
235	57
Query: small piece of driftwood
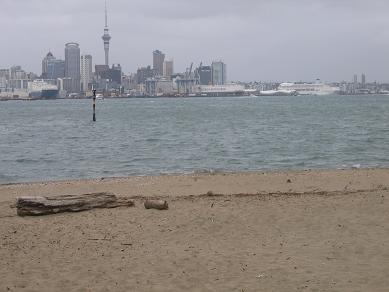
159	205
36	206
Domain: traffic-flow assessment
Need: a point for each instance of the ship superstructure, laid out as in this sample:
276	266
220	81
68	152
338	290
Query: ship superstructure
41	89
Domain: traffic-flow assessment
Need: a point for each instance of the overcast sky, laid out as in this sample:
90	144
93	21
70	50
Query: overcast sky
283	40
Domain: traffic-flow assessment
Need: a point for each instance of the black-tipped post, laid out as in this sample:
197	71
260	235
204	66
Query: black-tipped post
94	105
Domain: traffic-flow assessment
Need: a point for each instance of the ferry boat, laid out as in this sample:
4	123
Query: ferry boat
40	89
302	88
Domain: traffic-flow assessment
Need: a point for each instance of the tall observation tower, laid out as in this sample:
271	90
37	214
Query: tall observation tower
106	37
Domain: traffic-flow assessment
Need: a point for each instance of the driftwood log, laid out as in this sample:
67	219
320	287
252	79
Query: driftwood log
159	204
36	206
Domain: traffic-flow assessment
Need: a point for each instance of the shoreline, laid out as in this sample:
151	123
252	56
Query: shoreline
194	173
249	182
319	230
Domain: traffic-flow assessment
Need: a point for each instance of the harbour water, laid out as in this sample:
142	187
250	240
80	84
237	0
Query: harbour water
56	140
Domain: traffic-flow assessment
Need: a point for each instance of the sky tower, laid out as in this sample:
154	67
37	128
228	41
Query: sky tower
106	37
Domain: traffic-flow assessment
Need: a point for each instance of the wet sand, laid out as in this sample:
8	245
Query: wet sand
274	231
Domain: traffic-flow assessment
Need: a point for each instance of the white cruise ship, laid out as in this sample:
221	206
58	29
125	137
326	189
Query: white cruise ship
42	89
317	88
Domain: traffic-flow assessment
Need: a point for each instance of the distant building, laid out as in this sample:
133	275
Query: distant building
158	59
18	83
16	72
129	82
72	66
219	73
205	75
143	74
363	81
86	72
159	87
65	83
55	69
100	68
168	68
45	63
17	78
108	78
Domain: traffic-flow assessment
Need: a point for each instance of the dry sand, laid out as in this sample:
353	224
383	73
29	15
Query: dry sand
323	231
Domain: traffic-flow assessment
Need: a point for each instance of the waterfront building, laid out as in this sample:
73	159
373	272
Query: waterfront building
86	72
168	68
159	87
18	83
158	59
106	37
72	66
219	73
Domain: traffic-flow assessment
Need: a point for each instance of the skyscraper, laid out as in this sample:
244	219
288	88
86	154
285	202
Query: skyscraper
168	68
363	81
49	57
52	68
55	69
205	74
106	37
72	66
85	71
158	59
219	73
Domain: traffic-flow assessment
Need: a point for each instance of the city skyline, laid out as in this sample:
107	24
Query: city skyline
255	45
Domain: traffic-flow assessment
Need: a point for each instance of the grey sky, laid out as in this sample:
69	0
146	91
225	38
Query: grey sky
258	39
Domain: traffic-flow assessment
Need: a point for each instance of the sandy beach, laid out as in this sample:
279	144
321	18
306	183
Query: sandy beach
273	231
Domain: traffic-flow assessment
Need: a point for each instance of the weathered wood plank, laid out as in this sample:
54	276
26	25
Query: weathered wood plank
36	206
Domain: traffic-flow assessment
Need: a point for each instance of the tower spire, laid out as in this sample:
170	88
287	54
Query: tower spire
106	37
106	14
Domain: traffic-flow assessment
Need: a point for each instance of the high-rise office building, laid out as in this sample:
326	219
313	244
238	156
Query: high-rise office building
168	68
106	37
46	60
205	75
158	59
72	66
55	69
363	81
219	73
86	71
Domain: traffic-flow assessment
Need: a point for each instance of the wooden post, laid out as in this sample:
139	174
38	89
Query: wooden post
94	105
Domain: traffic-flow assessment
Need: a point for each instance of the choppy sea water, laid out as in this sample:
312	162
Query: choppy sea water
55	140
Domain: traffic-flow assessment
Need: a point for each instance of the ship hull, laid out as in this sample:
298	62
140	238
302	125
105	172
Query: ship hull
44	94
